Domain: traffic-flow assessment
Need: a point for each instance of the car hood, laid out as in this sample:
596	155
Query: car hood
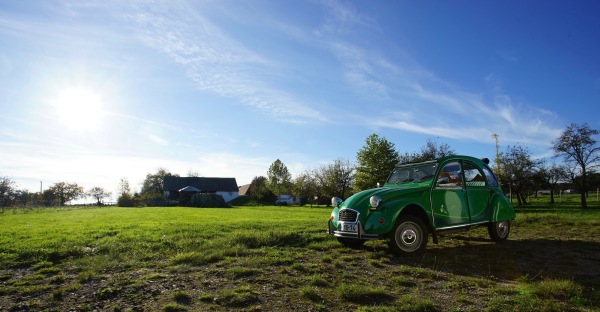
360	201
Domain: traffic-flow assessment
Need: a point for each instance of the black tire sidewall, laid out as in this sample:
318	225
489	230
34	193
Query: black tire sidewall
422	230
493	231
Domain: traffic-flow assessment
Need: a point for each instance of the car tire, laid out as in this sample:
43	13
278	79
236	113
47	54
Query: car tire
499	230
351	242
409	236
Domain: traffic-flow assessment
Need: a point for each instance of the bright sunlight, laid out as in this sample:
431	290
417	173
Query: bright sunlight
79	109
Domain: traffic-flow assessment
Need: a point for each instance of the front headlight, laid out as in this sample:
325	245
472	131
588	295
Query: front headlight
336	201
375	201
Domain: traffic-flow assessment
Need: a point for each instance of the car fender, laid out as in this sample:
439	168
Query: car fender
382	220
502	209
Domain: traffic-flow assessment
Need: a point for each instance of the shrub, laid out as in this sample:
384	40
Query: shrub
127	200
208	201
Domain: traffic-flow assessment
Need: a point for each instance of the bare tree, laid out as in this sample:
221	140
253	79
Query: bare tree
577	146
99	194
550	176
518	169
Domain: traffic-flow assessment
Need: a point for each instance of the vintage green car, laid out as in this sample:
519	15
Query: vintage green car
440	196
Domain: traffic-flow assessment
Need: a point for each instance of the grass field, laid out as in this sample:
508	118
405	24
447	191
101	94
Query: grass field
281	259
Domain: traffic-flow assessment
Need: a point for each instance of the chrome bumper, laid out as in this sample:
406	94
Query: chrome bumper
358	235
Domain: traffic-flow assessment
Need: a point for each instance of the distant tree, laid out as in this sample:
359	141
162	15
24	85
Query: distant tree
99	194
128	200
279	178
7	191
549	177
518	170
577	146
153	183
258	190
124	186
152	193
193	173
64	192
375	160
304	187
335	179
430	151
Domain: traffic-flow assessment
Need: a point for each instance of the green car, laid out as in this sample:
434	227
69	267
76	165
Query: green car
449	194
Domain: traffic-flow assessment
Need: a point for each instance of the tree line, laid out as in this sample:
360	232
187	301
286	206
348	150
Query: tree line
576	156
574	164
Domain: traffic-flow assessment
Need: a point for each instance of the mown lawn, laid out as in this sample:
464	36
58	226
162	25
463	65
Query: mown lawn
281	259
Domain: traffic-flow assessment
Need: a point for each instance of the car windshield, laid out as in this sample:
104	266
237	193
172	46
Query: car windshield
414	174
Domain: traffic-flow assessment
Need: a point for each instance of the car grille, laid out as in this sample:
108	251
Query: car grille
348	215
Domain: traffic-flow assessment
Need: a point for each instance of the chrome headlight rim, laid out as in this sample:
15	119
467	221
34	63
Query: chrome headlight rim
336	201
375	201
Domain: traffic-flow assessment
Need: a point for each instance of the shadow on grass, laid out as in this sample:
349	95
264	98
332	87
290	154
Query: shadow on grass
536	259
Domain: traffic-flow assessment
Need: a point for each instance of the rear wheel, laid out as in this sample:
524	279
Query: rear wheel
409	236
499	230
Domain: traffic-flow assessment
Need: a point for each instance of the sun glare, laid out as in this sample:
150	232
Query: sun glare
79	109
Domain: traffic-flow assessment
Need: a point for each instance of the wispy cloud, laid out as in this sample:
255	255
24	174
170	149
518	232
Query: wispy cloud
215	61
414	99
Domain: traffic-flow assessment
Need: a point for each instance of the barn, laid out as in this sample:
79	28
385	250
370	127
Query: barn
226	187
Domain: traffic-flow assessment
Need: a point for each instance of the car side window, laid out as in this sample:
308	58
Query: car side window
491	178
473	176
450	175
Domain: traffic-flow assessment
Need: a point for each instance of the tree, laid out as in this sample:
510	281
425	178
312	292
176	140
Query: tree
518	169
549	177
99	194
279	178
7	191
304	187
259	191
376	159
152	193
336	179
64	192
578	148
153	183
124	186
430	151
193	173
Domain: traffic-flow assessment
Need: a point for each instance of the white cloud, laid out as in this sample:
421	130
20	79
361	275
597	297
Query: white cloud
215	61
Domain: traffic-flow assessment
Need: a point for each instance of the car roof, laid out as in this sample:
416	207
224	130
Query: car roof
477	161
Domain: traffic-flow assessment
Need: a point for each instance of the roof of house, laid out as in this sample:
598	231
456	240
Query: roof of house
171	184
244	189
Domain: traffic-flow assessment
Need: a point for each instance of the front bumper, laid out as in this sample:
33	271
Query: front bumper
359	234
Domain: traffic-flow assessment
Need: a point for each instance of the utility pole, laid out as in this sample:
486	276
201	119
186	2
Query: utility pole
497	160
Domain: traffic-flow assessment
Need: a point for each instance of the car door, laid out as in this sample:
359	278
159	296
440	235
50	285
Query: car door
477	190
448	197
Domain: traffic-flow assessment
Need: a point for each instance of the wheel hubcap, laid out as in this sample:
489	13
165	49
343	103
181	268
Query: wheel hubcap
409	237
502	228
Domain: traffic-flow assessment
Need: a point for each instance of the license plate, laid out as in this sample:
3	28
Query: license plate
348	227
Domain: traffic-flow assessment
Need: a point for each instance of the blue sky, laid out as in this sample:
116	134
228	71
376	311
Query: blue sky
95	91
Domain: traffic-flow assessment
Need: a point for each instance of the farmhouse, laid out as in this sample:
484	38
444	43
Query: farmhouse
226	187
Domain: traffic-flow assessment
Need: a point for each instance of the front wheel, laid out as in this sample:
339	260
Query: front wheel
409	236
499	230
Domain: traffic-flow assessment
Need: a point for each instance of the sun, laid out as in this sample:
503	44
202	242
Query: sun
79	109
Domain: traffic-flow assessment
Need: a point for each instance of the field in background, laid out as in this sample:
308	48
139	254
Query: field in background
280	258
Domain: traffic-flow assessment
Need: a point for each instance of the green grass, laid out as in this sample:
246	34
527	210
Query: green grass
280	258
